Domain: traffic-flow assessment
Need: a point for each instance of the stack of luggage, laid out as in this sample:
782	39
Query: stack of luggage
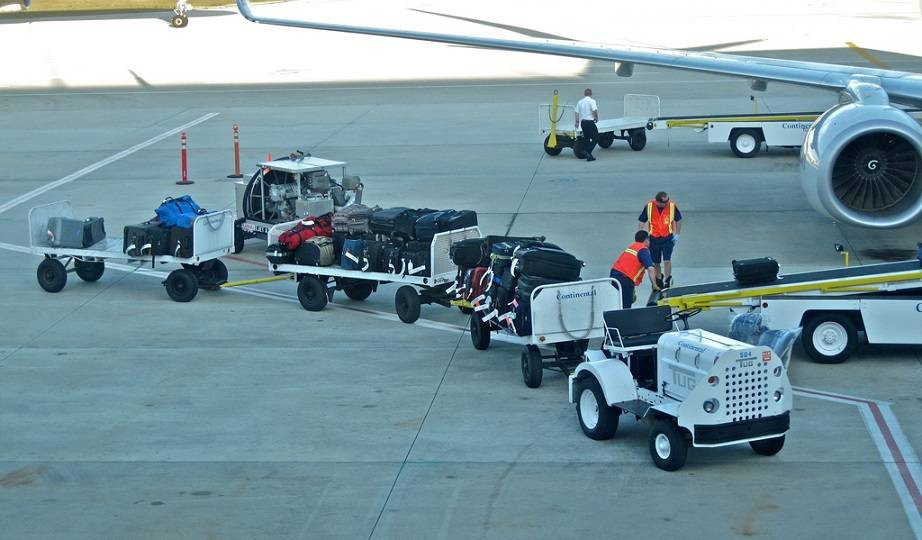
497	276
308	243
392	240
169	233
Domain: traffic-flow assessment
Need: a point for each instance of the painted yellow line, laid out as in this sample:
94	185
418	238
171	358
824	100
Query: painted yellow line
867	56
256	281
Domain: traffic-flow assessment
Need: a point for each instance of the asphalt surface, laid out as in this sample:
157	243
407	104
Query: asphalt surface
241	415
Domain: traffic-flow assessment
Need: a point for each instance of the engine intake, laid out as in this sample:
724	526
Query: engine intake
862	165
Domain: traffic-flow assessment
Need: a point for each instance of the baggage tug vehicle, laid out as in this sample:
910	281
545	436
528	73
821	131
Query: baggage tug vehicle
695	388
290	188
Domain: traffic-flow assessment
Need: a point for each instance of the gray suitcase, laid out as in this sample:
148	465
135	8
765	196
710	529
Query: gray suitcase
352	219
65	232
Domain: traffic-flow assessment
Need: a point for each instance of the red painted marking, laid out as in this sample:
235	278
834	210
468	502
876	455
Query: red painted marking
884	428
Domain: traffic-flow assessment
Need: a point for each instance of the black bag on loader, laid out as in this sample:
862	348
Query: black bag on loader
180	242
94	231
547	263
754	271
147	238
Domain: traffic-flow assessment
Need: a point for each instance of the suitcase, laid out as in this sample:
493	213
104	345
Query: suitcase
428	225
526	284
391	261
469	253
522	320
180	242
547	263
753	271
147	238
65	232
352	219
416	260
94	231
277	255
317	251
373	249
457	219
353	257
398	222
476	284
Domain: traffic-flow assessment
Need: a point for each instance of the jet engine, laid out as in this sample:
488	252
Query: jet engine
861	164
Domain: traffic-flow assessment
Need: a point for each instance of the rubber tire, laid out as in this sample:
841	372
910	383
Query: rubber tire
89	271
181	285
607	425
637	139
51	274
551	151
532	366
239	239
848	324
312	293
735	138
480	333
407	304
678	446
212	274
767	447
578	148
179	21
606	139
359	289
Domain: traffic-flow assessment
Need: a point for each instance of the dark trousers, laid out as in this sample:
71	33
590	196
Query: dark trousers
627	288
590	136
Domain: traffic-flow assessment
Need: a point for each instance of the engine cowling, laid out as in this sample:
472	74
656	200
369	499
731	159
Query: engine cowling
861	164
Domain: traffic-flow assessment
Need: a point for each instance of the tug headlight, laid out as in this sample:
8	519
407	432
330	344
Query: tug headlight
778	395
711	405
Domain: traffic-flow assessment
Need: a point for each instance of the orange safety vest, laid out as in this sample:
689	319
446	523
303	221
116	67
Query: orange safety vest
629	264
660	223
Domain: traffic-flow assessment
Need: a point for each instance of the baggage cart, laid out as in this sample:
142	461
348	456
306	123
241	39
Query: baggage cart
212	233
564	316
316	284
639	109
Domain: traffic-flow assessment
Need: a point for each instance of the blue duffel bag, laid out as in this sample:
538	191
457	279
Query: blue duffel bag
179	212
353	257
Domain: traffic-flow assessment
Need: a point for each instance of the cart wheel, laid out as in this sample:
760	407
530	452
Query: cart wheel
52	276
212	274
407	304
358	289
181	285
480	333
768	447
830	338
597	419
668	446
637	139
578	148
312	293
551	150
532	366
239	239
745	143
179	21
89	271
606	139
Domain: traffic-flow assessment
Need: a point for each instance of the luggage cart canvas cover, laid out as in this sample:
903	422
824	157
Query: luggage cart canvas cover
572	311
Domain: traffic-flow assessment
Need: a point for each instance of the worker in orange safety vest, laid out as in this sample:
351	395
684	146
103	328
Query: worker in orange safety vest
662	219
630	267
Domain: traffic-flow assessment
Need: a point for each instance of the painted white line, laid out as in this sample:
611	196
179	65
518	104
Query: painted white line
99	164
898	456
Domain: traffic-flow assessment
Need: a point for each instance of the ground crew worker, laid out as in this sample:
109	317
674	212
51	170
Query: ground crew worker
587	114
630	267
662	219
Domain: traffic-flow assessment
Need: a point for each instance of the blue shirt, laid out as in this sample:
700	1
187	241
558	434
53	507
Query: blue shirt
645	259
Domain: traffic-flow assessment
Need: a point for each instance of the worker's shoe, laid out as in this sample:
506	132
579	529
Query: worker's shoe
590	158
668	282
659	282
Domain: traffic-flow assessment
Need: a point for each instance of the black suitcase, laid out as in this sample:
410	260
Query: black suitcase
339	238
399	221
547	263
317	251
147	238
94	231
453	220
753	271
428	225
181	242
276	255
522	321
526	284
373	254
391	262
469	253
416	258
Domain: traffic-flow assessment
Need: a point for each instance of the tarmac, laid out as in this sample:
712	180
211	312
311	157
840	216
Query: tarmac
241	415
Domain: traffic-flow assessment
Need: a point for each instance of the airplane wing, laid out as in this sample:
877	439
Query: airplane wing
901	87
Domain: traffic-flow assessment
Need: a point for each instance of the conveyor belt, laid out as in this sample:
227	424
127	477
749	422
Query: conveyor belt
882	270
